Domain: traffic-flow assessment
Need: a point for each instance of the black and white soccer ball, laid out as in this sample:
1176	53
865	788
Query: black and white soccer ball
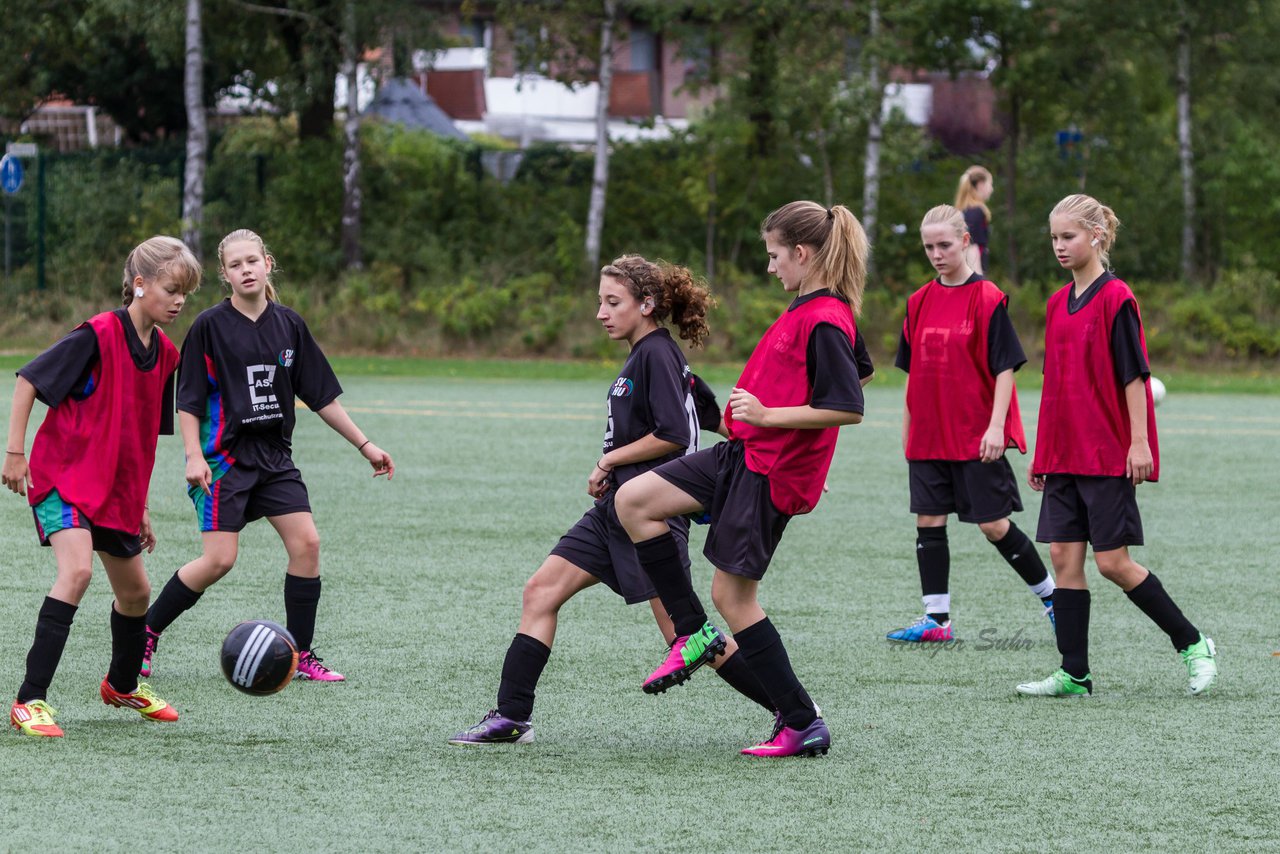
259	657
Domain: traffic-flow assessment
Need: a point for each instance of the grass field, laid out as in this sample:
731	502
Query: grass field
422	592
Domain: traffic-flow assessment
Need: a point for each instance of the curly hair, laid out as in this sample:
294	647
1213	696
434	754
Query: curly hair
675	292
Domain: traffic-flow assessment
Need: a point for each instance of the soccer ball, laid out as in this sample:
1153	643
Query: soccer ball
1157	391
259	657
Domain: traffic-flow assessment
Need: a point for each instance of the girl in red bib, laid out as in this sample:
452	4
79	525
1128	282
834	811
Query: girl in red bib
109	388
960	415
799	386
1096	443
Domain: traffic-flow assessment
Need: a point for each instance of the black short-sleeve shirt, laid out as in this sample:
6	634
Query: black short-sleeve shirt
831	365
653	394
1004	349
240	377
979	231
65	370
1126	333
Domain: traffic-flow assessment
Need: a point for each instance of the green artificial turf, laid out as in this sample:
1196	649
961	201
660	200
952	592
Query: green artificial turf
422	587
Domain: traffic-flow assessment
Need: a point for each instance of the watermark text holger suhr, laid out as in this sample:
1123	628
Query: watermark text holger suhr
988	640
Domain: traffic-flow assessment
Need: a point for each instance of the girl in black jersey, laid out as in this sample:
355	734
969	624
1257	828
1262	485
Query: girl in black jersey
243	363
654	415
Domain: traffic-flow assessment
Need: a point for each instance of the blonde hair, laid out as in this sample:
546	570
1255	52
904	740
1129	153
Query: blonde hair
245	234
967	190
1094	216
945	215
161	255
674	291
842	250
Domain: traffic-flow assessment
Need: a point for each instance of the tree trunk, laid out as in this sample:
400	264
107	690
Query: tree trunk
1011	188
1184	146
197	134
875	131
600	174
351	199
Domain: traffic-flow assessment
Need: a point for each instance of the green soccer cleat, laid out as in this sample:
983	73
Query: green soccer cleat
1059	684
1201	659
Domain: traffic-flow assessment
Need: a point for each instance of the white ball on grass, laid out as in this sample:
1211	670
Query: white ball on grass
1157	391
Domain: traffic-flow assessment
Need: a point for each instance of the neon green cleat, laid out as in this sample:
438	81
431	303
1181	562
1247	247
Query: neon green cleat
1059	684
1201	659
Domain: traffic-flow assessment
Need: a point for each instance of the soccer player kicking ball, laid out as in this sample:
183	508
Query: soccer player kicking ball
1096	443
109	388
798	387
651	419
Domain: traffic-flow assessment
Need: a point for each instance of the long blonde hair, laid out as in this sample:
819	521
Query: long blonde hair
1091	215
245	234
841	247
161	255
967	190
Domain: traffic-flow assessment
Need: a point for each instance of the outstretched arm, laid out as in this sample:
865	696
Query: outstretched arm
336	417
16	475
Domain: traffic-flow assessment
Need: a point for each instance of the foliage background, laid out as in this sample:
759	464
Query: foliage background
458	262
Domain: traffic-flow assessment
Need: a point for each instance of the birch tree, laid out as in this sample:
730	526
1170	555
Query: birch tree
197	134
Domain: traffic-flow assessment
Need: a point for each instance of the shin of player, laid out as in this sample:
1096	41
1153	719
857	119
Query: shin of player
799	386
109	388
960	415
1095	447
243	363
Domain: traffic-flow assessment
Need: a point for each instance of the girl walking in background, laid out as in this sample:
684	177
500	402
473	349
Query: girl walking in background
109	388
799	386
972	192
1096	443
959	416
243	363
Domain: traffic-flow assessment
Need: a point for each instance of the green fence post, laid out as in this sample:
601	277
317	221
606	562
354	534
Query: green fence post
40	221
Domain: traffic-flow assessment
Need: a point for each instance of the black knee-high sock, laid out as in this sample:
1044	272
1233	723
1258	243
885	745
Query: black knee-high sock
128	641
1071	609
301	598
1156	603
737	672
52	627
521	670
1020	553
660	559
933	554
769	662
175	598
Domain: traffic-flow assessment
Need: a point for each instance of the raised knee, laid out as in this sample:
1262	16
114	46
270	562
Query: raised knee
220	563
1112	568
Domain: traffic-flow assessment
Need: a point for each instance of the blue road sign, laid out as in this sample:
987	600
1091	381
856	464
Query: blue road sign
10	174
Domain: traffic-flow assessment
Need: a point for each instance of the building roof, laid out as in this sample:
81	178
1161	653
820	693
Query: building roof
400	100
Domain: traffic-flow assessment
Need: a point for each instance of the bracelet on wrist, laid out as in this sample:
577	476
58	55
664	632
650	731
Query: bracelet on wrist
603	469
360	447
17	453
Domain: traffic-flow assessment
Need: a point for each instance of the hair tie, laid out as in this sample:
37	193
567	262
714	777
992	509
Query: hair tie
831	214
